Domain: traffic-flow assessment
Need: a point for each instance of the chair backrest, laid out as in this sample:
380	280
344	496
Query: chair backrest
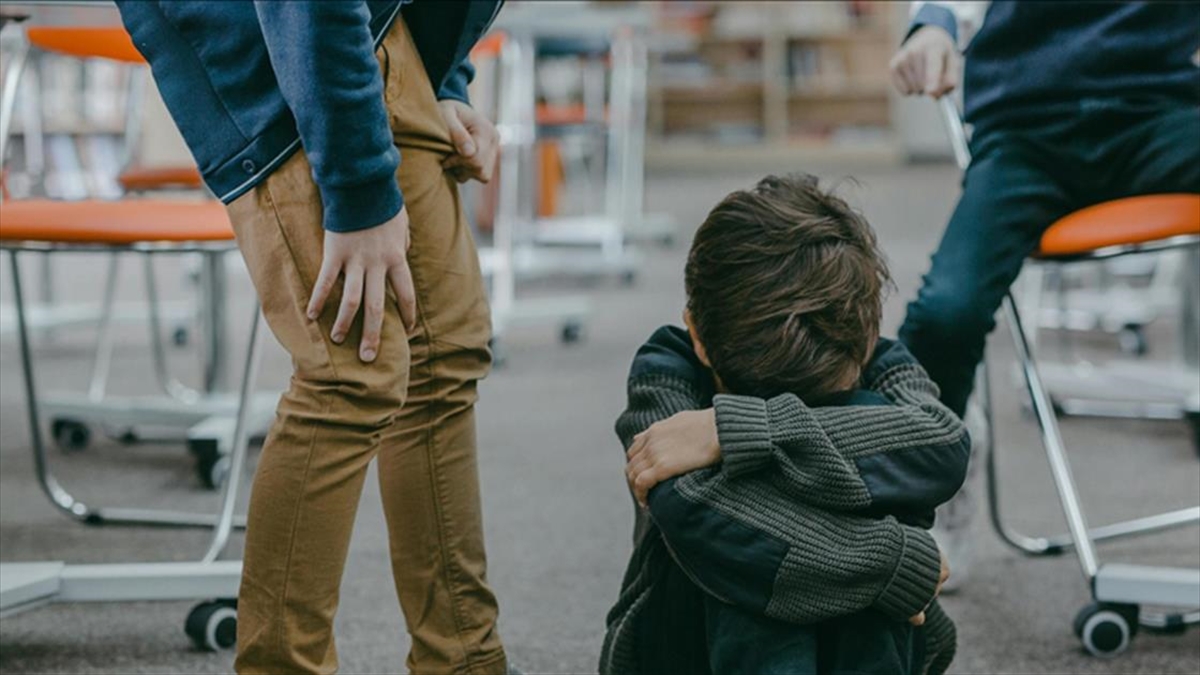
86	42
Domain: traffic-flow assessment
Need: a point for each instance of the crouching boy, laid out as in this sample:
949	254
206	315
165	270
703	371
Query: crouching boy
788	461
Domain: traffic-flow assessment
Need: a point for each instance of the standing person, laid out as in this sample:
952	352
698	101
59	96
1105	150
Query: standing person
334	132
1072	103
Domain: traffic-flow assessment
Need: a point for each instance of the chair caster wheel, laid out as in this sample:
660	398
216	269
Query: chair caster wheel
1132	340
628	278
1106	629
70	435
1193	419
212	472
181	336
572	332
212	626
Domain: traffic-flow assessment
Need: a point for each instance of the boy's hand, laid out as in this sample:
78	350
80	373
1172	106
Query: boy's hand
476	140
919	620
681	443
367	261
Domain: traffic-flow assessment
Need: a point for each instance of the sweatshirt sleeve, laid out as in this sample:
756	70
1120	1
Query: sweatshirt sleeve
960	18
324	60
901	452
753	546
455	86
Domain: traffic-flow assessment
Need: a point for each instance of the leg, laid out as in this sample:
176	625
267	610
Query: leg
743	643
427	461
327	429
1158	155
1009	198
869	642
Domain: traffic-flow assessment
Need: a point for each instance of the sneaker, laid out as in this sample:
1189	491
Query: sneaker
952	529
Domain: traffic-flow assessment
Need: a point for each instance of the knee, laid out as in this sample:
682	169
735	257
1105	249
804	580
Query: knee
366	395
950	316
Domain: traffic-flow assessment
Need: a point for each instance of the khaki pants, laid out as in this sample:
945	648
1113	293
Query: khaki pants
413	409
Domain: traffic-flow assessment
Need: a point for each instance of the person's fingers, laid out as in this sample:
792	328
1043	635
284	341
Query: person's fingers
642	484
908	70
351	300
918	620
374	297
934	64
899	82
322	288
406	295
636	448
461	137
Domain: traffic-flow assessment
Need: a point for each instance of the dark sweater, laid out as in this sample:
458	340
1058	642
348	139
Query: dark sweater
1030	61
790	524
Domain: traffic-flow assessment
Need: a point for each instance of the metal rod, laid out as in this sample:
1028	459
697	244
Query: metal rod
8	98
958	134
58	496
102	363
241	442
1060	468
170	385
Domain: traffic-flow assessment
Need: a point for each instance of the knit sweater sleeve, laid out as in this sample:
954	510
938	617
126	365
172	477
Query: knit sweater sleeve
898	450
753	544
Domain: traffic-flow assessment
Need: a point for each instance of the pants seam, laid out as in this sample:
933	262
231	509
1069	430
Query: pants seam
287	566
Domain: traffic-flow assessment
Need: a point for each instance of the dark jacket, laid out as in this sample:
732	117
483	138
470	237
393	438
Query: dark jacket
798	521
248	83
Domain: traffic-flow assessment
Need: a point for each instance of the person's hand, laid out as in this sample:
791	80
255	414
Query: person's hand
681	443
919	619
367	260
928	63
475	140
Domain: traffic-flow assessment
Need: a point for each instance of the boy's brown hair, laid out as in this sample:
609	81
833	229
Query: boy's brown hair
785	289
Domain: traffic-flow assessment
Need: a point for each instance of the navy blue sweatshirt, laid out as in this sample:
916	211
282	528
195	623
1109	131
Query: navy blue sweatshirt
1033	60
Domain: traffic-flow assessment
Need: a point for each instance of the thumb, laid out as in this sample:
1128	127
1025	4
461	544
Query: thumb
461	137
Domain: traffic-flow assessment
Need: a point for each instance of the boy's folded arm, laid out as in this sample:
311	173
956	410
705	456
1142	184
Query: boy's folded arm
907	453
768	553
665	378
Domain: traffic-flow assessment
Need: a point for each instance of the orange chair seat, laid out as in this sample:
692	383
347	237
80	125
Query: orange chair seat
113	222
561	115
1122	222
160	177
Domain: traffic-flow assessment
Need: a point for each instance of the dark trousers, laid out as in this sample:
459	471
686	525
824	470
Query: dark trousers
866	643
1022	179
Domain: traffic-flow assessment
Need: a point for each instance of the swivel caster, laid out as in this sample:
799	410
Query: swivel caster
1132	340
628	278
70	435
181	336
1106	629
1193	419
212	626
572	332
212	466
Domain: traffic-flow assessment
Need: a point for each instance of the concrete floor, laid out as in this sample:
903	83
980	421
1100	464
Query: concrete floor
558	517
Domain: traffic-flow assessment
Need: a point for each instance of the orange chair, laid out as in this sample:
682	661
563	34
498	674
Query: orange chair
1124	226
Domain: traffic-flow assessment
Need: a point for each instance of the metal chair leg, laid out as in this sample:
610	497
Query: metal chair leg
241	441
59	497
104	338
1060	468
1058	544
170	385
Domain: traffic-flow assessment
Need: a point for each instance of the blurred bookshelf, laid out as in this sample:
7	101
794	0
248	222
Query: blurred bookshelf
734	81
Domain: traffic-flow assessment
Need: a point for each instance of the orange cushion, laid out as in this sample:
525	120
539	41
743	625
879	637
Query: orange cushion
159	177
107	222
86	42
1122	222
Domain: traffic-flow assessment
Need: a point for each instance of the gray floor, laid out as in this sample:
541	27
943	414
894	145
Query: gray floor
558	517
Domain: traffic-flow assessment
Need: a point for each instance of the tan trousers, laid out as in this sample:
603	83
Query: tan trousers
413	409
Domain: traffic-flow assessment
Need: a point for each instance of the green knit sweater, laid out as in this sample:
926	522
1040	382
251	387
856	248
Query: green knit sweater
799	521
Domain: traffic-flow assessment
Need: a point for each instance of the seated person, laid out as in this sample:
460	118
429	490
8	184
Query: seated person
1072	104
788	460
